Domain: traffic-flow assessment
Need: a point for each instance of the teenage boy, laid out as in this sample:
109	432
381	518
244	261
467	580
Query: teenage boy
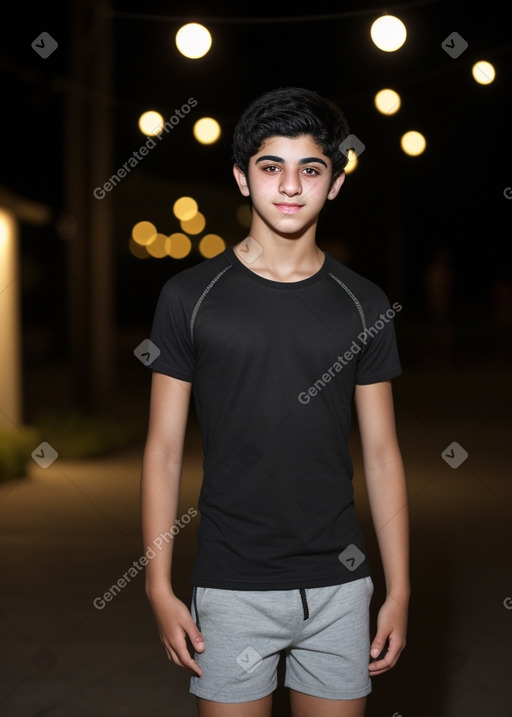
276	338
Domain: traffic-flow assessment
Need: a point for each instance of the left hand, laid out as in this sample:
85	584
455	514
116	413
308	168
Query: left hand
392	625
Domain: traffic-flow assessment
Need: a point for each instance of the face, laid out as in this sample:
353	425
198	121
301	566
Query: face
289	181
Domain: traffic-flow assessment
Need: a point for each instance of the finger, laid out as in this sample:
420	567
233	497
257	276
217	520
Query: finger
188	664
380	645
195	638
388	661
378	668
181	657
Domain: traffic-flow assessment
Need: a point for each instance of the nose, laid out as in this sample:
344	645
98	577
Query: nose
290	183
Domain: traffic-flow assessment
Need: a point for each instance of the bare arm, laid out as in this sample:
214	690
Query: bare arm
160	489
387	494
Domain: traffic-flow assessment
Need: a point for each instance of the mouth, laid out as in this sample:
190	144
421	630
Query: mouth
287	208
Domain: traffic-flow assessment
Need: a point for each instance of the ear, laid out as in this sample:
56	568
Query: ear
241	180
336	186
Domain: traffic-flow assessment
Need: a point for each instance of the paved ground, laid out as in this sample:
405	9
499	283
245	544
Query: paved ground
70	531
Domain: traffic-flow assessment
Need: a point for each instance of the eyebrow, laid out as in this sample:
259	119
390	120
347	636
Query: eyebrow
304	160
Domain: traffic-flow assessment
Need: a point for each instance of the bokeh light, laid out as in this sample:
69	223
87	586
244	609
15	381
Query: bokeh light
193	40
185	208
211	245
180	245
387	101
137	250
151	123
244	216
207	130
158	247
388	33
144	233
352	161
483	72
195	225
413	143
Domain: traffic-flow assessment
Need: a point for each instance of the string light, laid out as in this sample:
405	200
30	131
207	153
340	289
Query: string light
388	33
206	130
387	101
483	72
151	123
193	40
352	162
413	143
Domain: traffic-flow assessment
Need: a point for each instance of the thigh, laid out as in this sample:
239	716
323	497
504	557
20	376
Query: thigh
330	656
257	708
244	635
303	705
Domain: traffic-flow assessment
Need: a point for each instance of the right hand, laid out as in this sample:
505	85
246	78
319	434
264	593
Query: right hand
174	623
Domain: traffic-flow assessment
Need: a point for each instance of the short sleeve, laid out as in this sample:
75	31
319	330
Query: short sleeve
170	334
379	358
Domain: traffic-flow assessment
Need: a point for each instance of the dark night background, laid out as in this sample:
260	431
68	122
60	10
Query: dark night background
452	195
71	530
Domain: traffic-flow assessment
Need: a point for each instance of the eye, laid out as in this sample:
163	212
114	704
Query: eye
271	168
310	171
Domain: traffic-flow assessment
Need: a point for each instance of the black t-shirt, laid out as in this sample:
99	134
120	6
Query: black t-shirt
273	367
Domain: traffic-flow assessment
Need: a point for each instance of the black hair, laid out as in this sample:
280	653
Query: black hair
291	112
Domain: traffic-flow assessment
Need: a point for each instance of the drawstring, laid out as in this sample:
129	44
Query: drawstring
194	590
302	592
304	602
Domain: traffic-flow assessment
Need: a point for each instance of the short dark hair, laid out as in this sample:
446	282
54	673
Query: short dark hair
291	112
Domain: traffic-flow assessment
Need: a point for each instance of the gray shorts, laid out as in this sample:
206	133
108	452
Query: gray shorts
324	633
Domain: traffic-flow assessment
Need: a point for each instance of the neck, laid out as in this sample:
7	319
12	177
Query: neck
286	251
281	258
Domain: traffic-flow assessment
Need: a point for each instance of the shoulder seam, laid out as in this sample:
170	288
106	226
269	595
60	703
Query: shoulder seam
201	299
352	296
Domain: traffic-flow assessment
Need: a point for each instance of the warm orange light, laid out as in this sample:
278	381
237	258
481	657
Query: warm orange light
180	245
137	250
144	233
211	245
194	225
158	248
184	208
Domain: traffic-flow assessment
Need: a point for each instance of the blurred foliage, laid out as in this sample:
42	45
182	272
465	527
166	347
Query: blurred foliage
79	435
73	435
16	447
